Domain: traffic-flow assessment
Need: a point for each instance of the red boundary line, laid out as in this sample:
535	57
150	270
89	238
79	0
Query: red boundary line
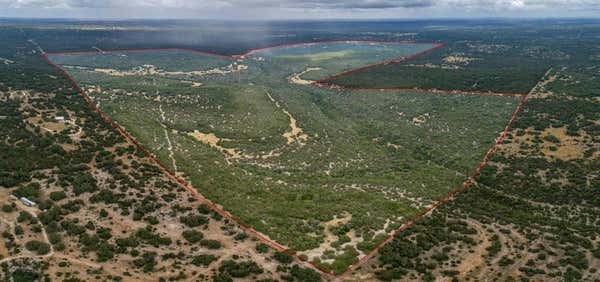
324	82
438	44
462	187
320	83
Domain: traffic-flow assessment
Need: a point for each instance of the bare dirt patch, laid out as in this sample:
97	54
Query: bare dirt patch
435	66
3	251
297	77
194	84
330	237
420	119
49	126
458	59
212	140
569	148
153	70
6	61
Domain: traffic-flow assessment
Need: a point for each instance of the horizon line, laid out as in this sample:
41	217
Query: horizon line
482	18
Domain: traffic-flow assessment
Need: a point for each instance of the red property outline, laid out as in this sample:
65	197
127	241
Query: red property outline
319	83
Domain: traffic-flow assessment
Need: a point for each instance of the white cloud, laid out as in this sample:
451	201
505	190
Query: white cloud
266	9
539	5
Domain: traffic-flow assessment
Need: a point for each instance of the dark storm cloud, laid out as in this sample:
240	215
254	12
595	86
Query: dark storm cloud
357	4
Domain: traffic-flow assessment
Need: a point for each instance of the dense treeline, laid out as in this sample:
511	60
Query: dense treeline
495	73
484	58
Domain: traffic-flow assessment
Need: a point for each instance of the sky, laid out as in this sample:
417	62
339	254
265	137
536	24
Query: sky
299	9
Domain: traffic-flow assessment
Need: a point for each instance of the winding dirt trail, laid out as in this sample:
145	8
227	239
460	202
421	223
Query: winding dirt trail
474	261
166	131
295	134
31	211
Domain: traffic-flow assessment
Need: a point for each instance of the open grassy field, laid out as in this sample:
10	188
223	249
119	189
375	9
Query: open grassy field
327	172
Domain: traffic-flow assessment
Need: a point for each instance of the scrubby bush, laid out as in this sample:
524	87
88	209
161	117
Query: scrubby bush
283	257
38	247
192	236
204	260
305	274
239	269
193	220
262	248
210	244
58	195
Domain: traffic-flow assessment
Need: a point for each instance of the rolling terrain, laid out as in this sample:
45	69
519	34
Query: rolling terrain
300	164
256	136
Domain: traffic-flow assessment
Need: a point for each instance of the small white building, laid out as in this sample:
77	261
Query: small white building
59	118
28	202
